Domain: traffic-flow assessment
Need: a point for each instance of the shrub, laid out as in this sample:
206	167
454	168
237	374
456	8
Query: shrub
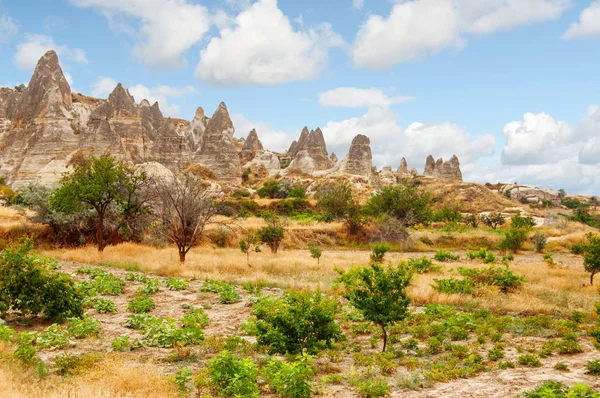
453	286
108	284
540	242
472	220
336	202
274	190
149	287
195	319
556	389
272	234
74	364
513	239
423	265
102	306
593	367
448	214
221	236
234	376
502	277
124	344
518	221
315	251
378	253
493	220
141	304
442	255
228	294
296	321
52	337
6	333
176	283
379	294
30	286
404	202
377	387
548	259
577	248
84	327
529	360
291	379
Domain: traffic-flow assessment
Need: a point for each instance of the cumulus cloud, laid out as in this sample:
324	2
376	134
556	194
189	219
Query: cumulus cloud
418	28
588	24
353	97
263	48
162	29
8	29
390	142
546	152
273	140
31	50
161	94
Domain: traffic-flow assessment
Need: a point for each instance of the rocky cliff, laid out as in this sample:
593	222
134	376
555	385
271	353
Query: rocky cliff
359	160
309	153
449	170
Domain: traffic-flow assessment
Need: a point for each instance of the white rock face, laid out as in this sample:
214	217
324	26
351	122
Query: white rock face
530	195
268	159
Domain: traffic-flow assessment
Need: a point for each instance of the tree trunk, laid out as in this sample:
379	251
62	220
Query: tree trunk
100	234
384	338
181	257
592	278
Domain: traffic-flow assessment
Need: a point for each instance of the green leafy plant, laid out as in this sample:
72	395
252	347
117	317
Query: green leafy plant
52	337
443	256
251	243
315	250
141	304
337	202
103	306
84	327
556	389
540	241
529	360
149	287
593	367
228	294
176	284
182	378
493	220
272	234
502	277
513	239
378	293
591	257
29	285
233	376
67	364
378	253
108	284
6	333
423	265
453	286
291	379
195	319
404	202
296	321
518	221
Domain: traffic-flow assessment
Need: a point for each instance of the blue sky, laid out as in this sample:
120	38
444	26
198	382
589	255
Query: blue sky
511	86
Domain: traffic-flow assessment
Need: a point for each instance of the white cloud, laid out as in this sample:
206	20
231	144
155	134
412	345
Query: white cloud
588	24
161	94
163	29
389	142
352	97
546	152
31	50
418	28
263	48
8	29
358	4
273	140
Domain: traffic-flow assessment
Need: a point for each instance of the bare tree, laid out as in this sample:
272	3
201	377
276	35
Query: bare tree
184	208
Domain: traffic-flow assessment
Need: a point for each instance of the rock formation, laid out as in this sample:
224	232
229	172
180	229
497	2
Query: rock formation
251	146
333	157
359	160
403	169
309	154
530	195
449	170
265	159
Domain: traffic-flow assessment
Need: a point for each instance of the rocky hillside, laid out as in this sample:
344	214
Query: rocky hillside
46	128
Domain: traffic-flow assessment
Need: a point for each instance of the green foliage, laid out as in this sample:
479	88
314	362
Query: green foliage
107	187
472	220
296	321
136	276
593	367
315	250
454	286
25	350
124	344
182	378
448	214
378	253
403	202
423	265
443	256
67	364
502	277
221	236
52	337
493	220
540	242
228	294
272	234
6	333
577	248
548	259
106	283
529	360
233	376
29	285
20	88
584	216
195	319
84	327
298	192
250	244
273	189
513	239
591	257
376	387
290	379
176	284
378	293
141	304
149	287
518	221
555	389
336	202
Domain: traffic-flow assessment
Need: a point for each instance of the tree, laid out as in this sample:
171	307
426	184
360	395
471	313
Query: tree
493	220
315	250
591	257
20	88
117	193
336	202
378	293
250	244
513	239
273	233
404	202
184	208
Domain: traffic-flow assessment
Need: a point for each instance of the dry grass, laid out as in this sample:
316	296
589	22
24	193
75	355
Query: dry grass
548	290
113	377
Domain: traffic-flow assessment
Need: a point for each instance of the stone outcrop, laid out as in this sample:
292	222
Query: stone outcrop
403	169
531	195
265	159
218	151
309	154
359	160
333	157
449	170
251	146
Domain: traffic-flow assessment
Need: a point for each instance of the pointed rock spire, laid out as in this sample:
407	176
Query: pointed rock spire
359	160
403	169
251	146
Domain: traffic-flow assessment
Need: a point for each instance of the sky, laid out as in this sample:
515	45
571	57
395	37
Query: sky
512	87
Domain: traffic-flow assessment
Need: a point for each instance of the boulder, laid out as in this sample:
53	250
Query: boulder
530	195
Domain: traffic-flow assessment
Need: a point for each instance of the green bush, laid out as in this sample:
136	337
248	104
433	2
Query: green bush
376	387
103	306
443	256
290	379
529	360
6	333
141	304
233	376
513	239
378	253
67	364
195	319
518	221
29	285
84	327
423	265
149	287
228	294
493	220
502	277
540	242
315	250
296	321
555	389
593	367
591	257
176	284
274	190
52	337
107	284
453	286
403	202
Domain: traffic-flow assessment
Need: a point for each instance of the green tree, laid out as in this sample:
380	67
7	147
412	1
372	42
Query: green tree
315	250
591	257
114	191
513	239
336	202
403	202
493	220
20	88
378	293
249	244
272	234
